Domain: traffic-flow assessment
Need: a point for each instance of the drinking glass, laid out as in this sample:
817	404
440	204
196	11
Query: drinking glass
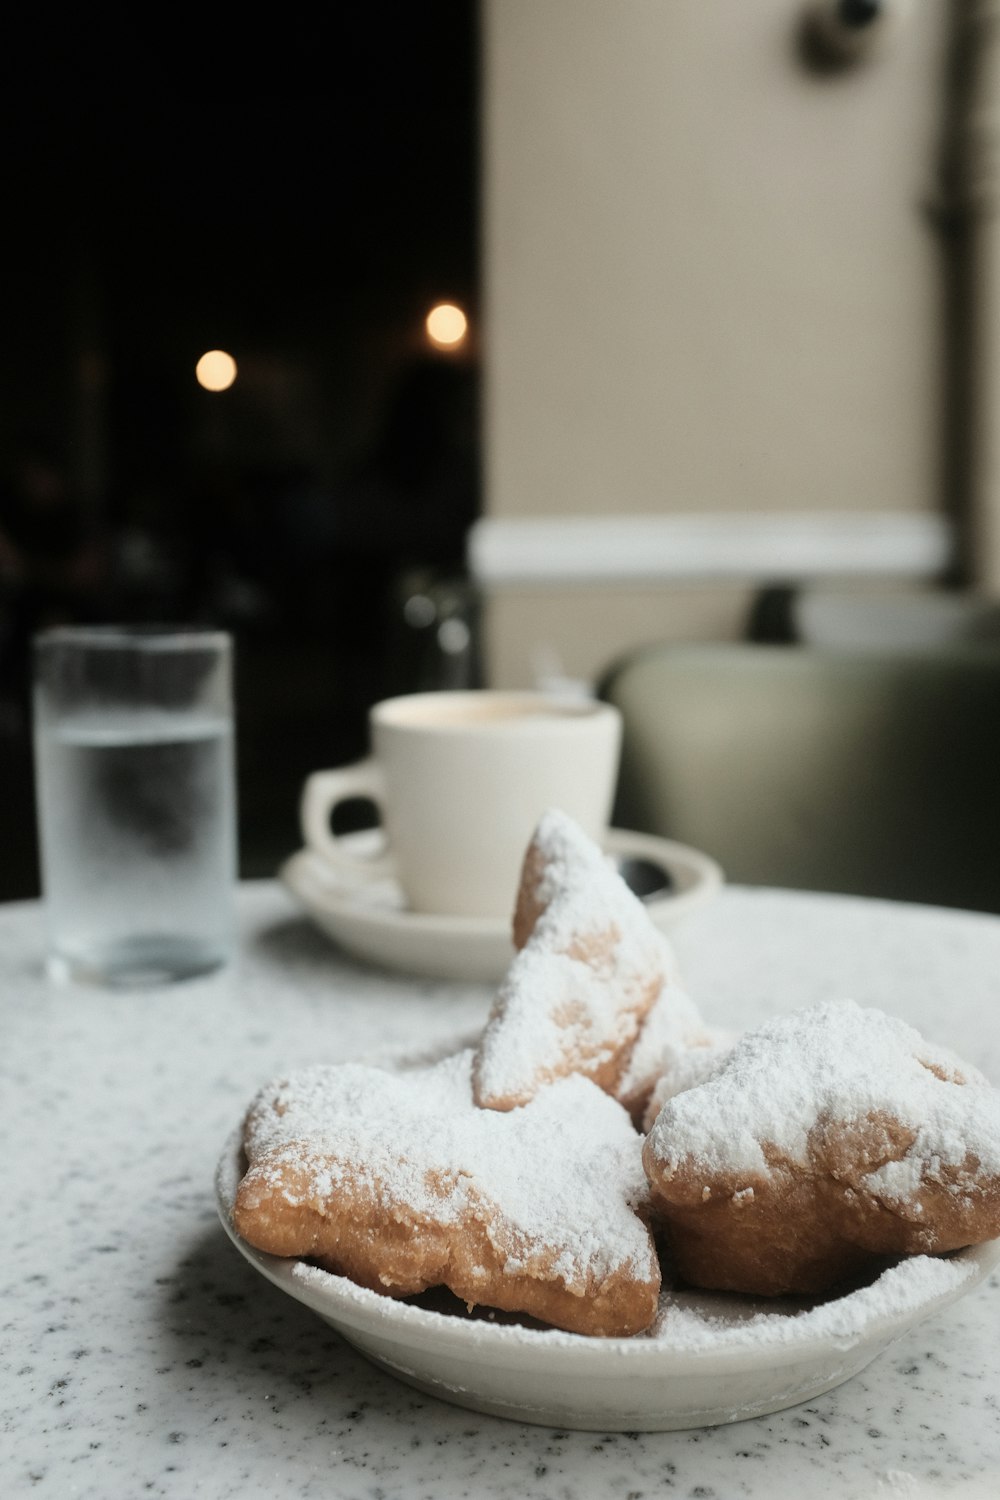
135	788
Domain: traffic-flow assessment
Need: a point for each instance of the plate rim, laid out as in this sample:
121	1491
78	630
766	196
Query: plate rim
362	1309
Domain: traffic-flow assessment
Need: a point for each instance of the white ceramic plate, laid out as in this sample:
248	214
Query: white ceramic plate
709	1360
369	918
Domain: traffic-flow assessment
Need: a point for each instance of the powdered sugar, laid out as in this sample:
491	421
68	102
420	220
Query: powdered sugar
834	1062
701	1322
582	892
574	997
673	1020
563	1173
684	1066
697	1323
672	1028
554	1008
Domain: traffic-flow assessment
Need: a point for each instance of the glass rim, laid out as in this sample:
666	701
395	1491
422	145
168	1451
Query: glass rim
139	637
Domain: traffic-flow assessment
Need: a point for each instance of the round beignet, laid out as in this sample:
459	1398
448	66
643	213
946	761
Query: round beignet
824	1142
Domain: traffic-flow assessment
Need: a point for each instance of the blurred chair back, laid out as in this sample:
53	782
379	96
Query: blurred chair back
875	773
867	619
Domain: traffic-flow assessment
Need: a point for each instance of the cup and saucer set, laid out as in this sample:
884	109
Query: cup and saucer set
459	781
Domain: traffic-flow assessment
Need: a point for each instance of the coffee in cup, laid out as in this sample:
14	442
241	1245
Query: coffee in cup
460	780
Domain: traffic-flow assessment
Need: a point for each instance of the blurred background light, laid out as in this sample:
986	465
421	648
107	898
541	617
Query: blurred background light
216	370
446	325
343	463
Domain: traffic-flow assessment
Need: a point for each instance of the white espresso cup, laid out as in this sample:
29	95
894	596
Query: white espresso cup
460	780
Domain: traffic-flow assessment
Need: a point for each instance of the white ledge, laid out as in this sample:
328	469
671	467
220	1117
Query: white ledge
756	548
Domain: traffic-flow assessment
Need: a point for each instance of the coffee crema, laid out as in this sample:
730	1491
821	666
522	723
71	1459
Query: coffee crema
462	711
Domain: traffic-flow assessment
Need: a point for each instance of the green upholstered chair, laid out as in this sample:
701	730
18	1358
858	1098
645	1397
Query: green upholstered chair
875	773
867	617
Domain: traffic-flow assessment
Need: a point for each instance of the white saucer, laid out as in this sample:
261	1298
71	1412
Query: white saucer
708	1360
369	918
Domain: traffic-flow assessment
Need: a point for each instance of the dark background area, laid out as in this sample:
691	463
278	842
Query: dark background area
300	200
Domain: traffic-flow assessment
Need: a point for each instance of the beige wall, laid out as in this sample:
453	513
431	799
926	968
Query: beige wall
712	283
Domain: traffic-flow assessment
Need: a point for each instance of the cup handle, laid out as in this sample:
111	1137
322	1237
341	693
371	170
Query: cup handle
321	794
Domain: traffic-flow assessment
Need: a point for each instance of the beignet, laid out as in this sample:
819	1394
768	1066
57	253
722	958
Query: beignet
398	1181
589	967
824	1142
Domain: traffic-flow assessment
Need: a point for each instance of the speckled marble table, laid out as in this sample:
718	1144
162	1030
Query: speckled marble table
141	1356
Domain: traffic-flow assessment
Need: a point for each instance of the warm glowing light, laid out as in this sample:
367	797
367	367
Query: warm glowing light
216	370
446	325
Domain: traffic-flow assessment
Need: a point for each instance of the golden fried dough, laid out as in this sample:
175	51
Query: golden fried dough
589	967
400	1182
825	1142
